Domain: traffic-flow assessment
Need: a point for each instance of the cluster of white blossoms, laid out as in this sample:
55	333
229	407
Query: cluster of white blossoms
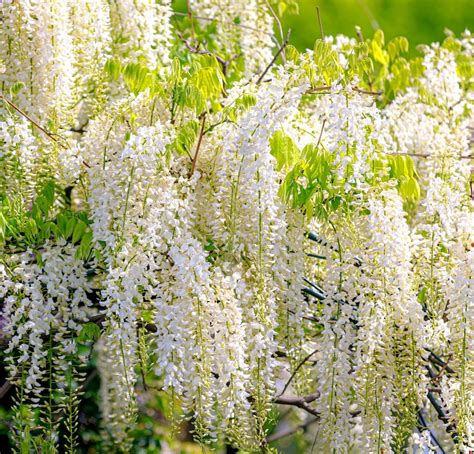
37	51
18	151
214	318
389	348
434	122
46	304
141	30
192	263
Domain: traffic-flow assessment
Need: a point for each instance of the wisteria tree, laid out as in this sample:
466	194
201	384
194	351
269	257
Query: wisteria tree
243	241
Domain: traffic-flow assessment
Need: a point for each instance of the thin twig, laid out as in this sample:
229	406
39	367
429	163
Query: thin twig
35	123
290	431
321	133
326	89
420	155
90	377
367	92
317	256
274	59
198	146
280	28
212	19
318	89
298	367
434	358
190	16
195	50
320	22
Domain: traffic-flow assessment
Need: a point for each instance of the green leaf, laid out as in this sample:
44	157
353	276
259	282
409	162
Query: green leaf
66	223
246	101
413	189
79	230
292	53
422	295
380	55
49	191
90	332
335	202
113	68
30	230
175	70
70	225
3	226
85	247
283	149
327	61
409	166
136	77
16	88
379	37
186	137
207	77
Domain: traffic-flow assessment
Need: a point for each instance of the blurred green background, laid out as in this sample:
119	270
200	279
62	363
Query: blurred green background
421	21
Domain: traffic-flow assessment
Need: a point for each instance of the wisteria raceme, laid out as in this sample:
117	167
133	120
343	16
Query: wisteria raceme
92	44
338	334
456	394
390	327
141	31
118	406
206	228
47	312
245	182
19	156
37	52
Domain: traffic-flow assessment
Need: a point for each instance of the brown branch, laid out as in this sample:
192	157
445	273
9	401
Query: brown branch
442	416
198	146
327	88
424	426
318	89
420	155
190	16
35	123
299	402
274	59
5	388
367	92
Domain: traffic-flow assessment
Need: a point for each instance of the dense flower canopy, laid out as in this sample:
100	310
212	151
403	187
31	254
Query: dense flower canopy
223	221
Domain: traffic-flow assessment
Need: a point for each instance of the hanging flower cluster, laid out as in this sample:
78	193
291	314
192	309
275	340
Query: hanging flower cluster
232	233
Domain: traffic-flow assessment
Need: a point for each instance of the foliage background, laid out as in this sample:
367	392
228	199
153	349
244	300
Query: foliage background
421	21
